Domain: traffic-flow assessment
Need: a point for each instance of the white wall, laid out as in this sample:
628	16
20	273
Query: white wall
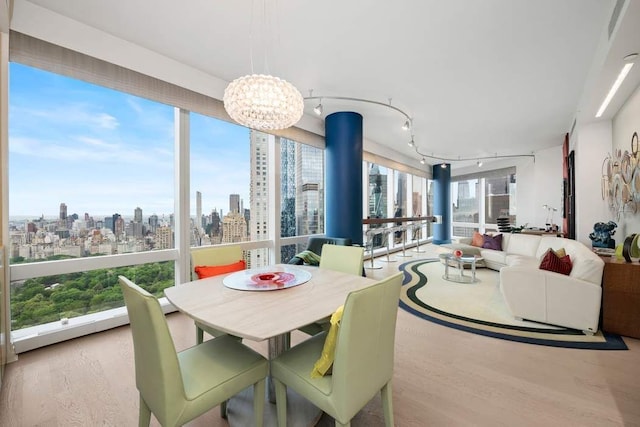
539	183
625	123
592	144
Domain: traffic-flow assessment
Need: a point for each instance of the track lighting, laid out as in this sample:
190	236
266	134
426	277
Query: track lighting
318	109
408	126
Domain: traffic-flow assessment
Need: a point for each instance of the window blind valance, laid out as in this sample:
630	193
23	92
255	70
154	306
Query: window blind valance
47	56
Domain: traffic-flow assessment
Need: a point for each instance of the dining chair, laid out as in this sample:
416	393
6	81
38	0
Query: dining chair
316	244
346	259
180	386
363	363
213	256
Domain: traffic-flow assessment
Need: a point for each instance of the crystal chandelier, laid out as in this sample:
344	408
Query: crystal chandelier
263	102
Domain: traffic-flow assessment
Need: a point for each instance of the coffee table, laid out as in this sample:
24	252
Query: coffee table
460	263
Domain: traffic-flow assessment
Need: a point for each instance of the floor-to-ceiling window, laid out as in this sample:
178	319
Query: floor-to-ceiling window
220	180
90	175
301	193
395	194
479	200
465	207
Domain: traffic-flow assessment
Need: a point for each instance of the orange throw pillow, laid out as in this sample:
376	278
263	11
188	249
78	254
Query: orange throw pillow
204	271
477	239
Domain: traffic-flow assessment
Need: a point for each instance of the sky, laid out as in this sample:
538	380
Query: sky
102	151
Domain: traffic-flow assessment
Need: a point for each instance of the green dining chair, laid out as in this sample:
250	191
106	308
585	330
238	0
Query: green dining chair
346	259
178	387
213	256
363	363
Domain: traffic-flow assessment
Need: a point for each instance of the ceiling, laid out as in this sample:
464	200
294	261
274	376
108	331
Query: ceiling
478	78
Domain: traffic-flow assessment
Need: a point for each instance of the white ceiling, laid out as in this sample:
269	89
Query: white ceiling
479	78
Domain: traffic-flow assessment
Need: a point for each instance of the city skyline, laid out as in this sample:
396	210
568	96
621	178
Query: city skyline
101	151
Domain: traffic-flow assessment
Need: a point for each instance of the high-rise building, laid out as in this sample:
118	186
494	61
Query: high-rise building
259	196
234	228
118	226
153	223
287	190
309	190
215	227
234	203
108	222
114	218
164	238
63	211
377	192
137	215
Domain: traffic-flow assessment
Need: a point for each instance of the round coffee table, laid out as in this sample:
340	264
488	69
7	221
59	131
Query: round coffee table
459	263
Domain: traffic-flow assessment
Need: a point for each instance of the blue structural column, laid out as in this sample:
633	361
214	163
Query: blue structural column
343	176
442	203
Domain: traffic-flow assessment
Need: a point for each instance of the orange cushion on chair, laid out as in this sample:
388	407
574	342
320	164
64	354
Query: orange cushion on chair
204	271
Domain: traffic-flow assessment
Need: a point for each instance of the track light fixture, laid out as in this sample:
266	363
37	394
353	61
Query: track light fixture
318	108
408	123
408	126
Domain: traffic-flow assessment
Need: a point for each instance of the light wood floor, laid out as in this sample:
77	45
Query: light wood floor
443	377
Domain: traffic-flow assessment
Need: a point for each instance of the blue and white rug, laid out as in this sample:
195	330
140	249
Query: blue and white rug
479	308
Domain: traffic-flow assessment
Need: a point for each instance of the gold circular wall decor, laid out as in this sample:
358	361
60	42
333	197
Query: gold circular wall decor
634	145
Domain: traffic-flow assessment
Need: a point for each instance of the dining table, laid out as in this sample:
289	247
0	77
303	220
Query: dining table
251	304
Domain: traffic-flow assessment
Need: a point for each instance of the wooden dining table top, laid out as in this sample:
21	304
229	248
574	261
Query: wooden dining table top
260	315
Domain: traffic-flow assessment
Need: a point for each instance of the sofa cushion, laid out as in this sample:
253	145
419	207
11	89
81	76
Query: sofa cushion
523	244
586	265
494	257
556	243
552	262
477	239
492	242
513	260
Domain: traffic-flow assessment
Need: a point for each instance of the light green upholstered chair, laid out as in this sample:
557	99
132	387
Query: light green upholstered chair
346	259
363	362
212	256
178	387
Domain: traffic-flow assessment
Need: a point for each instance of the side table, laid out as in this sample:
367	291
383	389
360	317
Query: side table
459	263
621	297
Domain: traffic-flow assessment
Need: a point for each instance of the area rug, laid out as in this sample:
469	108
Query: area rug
479	308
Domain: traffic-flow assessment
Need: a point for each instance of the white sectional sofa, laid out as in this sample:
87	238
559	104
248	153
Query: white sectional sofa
571	301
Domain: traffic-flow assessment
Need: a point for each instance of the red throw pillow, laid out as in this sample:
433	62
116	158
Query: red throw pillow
477	239
492	242
552	262
204	271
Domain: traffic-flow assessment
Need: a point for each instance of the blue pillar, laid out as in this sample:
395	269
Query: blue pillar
343	176
442	203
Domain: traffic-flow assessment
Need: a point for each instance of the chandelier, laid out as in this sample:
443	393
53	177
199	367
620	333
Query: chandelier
263	102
